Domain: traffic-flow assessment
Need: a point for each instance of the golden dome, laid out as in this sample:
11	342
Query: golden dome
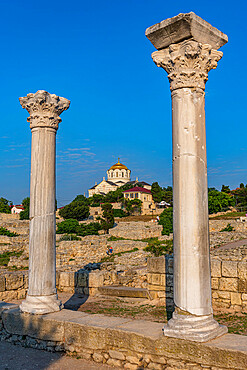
118	166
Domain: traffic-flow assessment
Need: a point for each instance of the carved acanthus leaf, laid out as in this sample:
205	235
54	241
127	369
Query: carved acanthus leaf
187	63
44	108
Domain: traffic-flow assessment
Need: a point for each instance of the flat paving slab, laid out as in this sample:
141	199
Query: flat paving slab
19	358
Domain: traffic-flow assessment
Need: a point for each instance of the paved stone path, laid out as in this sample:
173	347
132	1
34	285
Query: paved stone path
19	358
235	244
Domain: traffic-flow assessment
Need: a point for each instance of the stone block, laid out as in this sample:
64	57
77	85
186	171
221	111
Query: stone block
157	264
2	283
95	279
113	362
215	283
229	284
224	295
244	297
14	281
153	278
82	279
133	360
117	355
97	357
242	275
34	326
236	299
67	279
215	268
229	269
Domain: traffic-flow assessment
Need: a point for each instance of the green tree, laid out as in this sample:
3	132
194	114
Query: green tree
133	206
240	196
225	189
168	195
77	210
219	201
107	220
166	220
5	205
157	192
69	226
24	215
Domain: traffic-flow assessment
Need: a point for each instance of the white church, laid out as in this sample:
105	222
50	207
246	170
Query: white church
118	175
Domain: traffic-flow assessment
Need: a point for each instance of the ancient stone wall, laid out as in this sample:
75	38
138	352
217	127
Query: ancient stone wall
136	230
228	279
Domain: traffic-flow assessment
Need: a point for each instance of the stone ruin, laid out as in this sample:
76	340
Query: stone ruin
187	48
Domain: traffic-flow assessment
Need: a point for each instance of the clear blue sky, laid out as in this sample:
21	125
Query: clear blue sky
95	53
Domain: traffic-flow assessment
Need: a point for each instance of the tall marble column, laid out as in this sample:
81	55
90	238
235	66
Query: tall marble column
187	50
44	109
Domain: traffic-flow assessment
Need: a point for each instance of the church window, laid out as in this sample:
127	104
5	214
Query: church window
122	174
116	174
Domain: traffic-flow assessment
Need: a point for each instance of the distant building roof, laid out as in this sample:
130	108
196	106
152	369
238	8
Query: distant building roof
138	189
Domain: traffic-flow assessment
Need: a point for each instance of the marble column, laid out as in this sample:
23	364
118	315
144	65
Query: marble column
44	109
187	51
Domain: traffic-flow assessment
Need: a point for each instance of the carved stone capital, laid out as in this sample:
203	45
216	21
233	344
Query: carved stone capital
187	63
44	109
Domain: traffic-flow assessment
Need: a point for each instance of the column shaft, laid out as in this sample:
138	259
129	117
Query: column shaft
42	242
192	289
44	109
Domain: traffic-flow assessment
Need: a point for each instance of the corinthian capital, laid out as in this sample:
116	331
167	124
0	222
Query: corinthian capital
187	63
44	109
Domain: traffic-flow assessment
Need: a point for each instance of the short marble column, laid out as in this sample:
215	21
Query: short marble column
187	50
44	109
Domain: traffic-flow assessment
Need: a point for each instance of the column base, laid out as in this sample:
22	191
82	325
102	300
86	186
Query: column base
192	327
41	305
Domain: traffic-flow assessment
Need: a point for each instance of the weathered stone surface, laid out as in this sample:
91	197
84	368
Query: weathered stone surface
116	354
92	334
229	284
186	26
236	299
215	268
14	281
229	269
2	283
95	279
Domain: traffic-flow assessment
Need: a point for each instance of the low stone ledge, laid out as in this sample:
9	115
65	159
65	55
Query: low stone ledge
119	340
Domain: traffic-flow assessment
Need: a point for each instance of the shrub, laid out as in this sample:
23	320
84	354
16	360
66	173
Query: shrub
166	220
159	248
119	213
72	226
4	231
69	226
89	229
69	237
5	257
77	210
229	227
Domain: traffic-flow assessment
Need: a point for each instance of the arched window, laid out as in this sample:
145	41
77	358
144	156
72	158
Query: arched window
116	174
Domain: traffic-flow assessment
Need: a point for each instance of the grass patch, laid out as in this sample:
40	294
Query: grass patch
228	216
115	238
4	231
5	257
113	255
236	322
